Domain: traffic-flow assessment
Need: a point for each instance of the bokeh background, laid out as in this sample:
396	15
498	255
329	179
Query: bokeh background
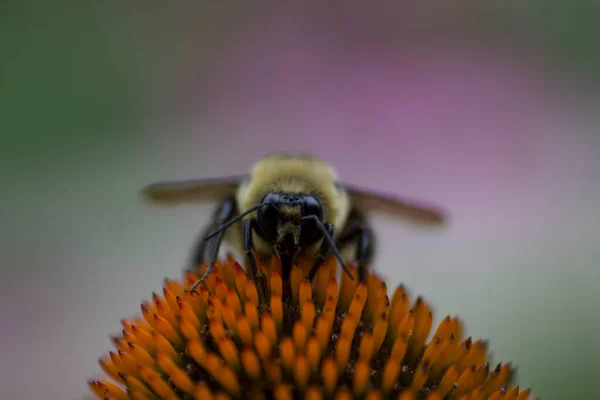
488	110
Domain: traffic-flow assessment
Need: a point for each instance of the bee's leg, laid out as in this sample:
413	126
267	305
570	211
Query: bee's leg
359	232
249	247
322	255
224	213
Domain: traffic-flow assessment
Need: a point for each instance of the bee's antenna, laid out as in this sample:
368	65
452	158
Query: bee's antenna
233	221
331	242
236	219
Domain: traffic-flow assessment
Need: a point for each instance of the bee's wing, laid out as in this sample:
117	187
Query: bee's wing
410	210
192	191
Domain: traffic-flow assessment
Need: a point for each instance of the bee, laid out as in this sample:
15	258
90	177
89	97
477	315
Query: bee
290	205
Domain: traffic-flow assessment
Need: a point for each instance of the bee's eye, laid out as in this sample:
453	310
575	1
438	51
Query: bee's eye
310	231
268	215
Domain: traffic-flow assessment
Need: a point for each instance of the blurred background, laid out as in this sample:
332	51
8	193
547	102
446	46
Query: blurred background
487	110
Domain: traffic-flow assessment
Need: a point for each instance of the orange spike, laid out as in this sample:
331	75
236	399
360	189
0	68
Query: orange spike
305	292
379	332
167	330
233	302
213	307
448	380
308	314
399	348
220	289
229	317
163	309
95	388
112	391
461	352
391	371
251	363
406	395
140	355
228	379
301	370
329	373
477	393
229	352
143	336
268	327
283	391
314	392
136	385
373	394
277	311
299	335
177	376
198	302
129	337
188	314
423	322
366	347
119	343
174	287
420	377
323	332
498	395
272	371
203	392
252	315
197	351
110	368
376	291
222	396
163	345
262	344
128	362
148	313
343	393
320	285
288	353
244	330
476	354
342	352
154	380
217	330
117	362
251	293
465	382
362	373
349	325
524	394
313	353
332	293
348	287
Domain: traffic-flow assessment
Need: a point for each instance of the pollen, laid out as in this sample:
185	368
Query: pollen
239	337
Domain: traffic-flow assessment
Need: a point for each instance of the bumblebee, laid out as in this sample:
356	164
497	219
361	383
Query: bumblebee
290	205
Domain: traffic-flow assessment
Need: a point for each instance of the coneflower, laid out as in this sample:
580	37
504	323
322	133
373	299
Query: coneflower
237	338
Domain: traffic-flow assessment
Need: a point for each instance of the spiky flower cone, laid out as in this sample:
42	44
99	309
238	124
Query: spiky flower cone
242	339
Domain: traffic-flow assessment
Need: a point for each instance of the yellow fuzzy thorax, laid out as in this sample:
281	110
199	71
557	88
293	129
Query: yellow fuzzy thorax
237	338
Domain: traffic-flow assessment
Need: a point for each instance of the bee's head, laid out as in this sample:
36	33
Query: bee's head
280	221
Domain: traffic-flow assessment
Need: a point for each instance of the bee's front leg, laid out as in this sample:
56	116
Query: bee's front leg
358	232
249	247
224	213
